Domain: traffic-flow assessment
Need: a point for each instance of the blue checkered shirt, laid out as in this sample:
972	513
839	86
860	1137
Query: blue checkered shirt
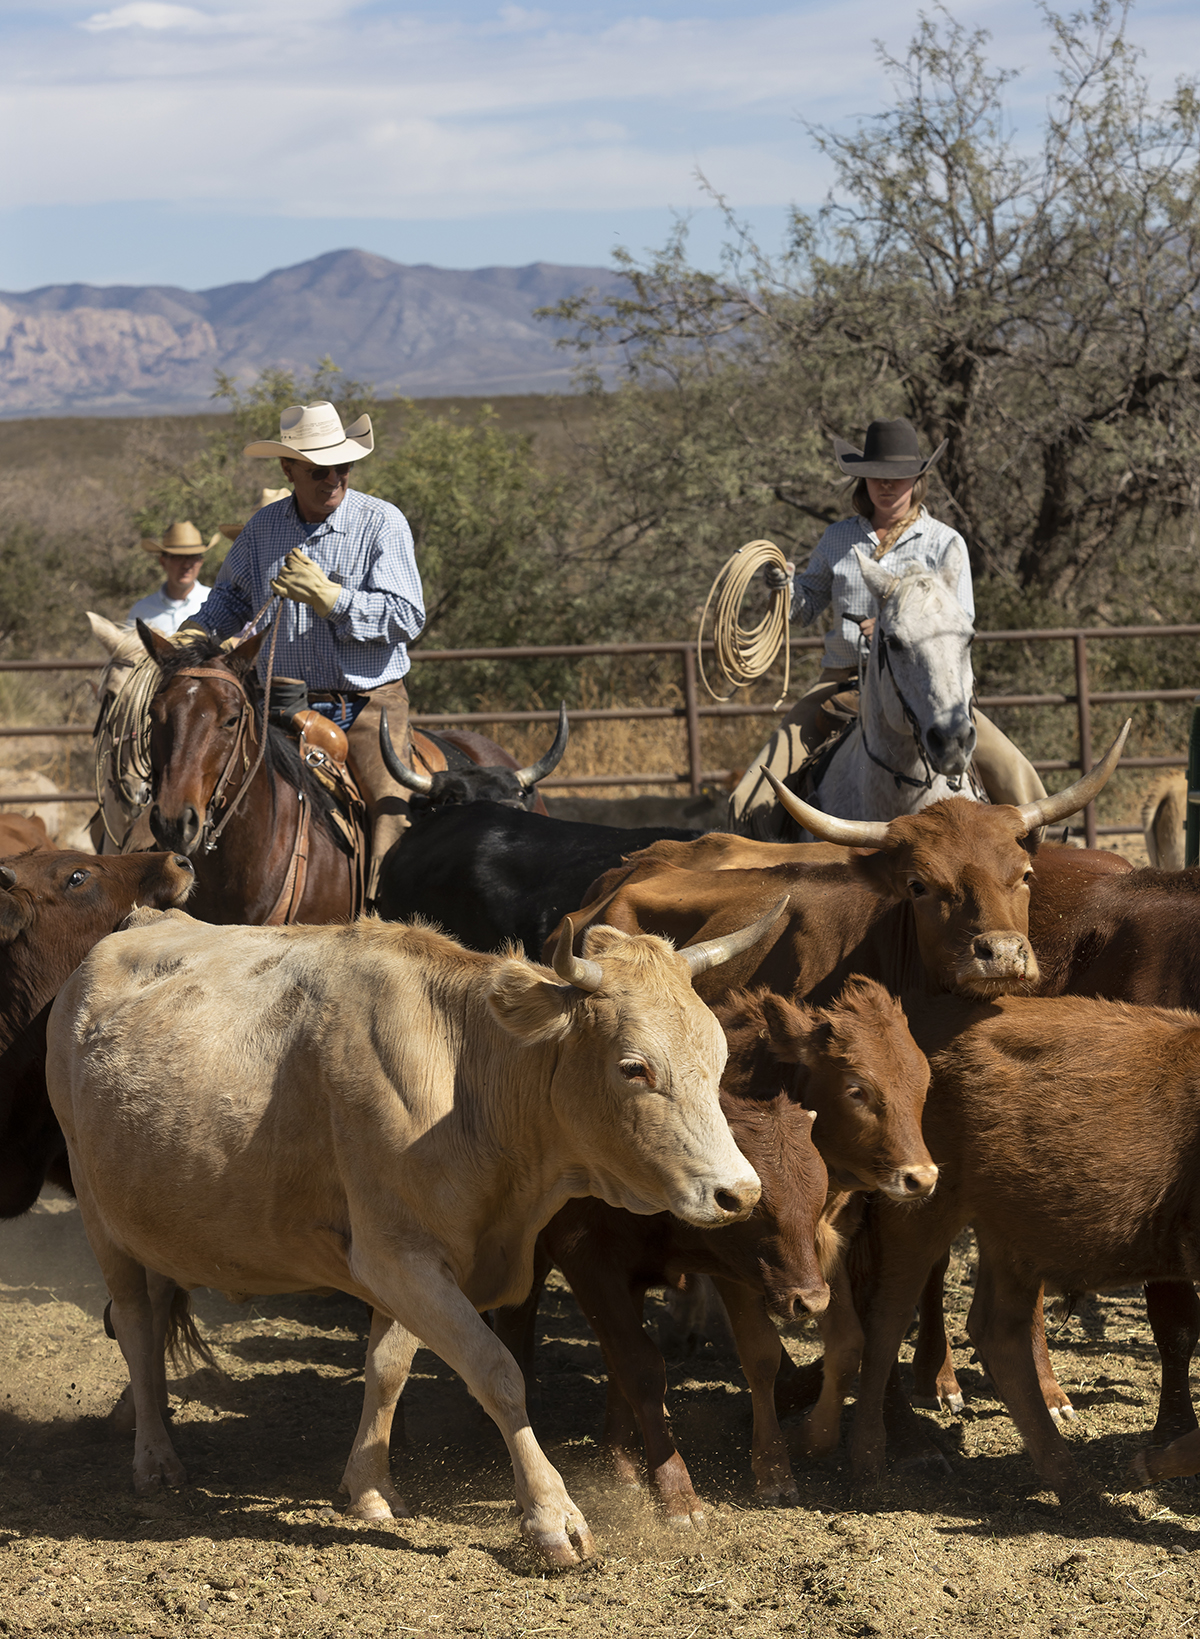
833	576
367	547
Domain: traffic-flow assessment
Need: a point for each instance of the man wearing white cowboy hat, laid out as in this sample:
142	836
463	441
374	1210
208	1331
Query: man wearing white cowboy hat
181	596
343	563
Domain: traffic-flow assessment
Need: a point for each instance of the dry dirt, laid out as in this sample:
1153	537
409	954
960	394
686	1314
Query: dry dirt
255	1544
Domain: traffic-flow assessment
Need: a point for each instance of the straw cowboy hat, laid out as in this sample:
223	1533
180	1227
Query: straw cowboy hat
269	497
314	433
890	451
180	541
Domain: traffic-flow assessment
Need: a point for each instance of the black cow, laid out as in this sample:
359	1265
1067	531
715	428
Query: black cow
488	873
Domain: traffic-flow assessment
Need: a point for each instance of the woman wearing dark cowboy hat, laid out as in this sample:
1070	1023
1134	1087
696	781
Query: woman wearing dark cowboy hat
889	522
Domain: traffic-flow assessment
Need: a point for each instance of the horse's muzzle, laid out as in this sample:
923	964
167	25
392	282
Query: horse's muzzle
179	833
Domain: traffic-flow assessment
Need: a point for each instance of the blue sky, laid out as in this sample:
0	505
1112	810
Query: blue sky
201	143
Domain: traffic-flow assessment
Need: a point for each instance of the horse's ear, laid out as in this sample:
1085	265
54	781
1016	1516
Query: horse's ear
950	567
241	659
880	581
154	643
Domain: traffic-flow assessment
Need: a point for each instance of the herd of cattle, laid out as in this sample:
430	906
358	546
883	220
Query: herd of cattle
798	1069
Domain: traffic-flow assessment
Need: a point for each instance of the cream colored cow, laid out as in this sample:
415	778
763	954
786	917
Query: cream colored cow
372	1108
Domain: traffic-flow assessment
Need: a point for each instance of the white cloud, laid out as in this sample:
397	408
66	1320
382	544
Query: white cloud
146	14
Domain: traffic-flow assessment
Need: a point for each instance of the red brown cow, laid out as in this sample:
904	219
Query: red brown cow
54	906
853	1072
21	832
941	901
1100	928
1065	1131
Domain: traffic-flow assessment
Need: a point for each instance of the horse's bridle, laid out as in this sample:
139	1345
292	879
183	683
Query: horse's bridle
884	662
210	833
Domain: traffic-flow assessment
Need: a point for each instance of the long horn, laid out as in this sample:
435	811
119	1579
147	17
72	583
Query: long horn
400	772
572	969
1049	810
826	827
538	771
8	876
713	952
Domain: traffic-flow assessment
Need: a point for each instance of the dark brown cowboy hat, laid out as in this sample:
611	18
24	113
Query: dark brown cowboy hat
890	451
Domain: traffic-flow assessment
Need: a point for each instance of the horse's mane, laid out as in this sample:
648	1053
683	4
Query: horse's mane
282	756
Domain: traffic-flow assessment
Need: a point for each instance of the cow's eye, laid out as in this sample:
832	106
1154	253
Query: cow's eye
916	887
856	1094
77	878
637	1070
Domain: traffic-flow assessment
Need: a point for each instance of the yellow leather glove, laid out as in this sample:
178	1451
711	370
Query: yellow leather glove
187	633
303	582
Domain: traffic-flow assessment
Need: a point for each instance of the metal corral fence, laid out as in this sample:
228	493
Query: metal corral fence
696	776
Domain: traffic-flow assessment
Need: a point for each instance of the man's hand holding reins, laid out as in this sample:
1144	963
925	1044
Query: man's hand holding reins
303	582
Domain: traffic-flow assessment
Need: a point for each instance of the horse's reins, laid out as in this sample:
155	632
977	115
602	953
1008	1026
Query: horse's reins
910	715
211	834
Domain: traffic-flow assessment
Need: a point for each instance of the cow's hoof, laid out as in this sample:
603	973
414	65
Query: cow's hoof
1064	1413
693	1520
158	1473
952	1402
379	1504
559	1532
777	1496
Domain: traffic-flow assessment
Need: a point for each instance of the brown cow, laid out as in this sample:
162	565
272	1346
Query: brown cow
1065	1131
54	906
21	832
853	1070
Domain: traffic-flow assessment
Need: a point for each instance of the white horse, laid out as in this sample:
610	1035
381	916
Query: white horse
914	737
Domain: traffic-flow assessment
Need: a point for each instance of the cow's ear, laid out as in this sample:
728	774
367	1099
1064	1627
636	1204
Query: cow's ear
528	1006
15	917
795	1032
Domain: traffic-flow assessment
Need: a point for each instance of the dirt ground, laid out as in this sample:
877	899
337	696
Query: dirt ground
256	1544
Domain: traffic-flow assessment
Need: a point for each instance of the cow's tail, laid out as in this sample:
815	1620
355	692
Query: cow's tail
186	1349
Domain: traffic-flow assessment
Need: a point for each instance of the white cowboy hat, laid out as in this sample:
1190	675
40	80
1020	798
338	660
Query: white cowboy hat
269	497
180	541
314	433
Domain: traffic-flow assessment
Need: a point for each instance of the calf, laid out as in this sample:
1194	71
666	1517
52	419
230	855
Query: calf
803	1089
1065	1131
54	906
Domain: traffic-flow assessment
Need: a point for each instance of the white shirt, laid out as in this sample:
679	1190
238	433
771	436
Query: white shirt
166	614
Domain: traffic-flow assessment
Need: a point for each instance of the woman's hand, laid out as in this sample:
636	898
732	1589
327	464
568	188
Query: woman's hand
867	627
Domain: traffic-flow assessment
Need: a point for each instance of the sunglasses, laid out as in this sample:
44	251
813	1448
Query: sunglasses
319	474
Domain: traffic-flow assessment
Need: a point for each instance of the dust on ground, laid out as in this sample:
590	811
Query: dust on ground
256	1544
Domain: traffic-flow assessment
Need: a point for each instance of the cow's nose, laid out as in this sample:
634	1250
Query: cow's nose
740	1199
1003	955
912	1182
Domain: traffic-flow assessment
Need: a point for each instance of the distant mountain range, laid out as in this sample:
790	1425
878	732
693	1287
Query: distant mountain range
419	331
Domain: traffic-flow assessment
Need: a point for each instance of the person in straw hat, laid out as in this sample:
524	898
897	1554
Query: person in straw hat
344	566
181	595
889	521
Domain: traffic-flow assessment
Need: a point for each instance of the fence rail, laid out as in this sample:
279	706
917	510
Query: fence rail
692	711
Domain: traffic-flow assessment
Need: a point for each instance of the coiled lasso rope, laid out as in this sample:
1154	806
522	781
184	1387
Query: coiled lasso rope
745	655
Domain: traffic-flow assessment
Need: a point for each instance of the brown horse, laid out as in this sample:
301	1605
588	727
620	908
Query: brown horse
241	817
242	820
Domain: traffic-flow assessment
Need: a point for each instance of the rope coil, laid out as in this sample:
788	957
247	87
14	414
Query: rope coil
744	655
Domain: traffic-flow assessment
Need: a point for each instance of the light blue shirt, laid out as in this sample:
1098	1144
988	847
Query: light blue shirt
365	546
168	614
834	577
